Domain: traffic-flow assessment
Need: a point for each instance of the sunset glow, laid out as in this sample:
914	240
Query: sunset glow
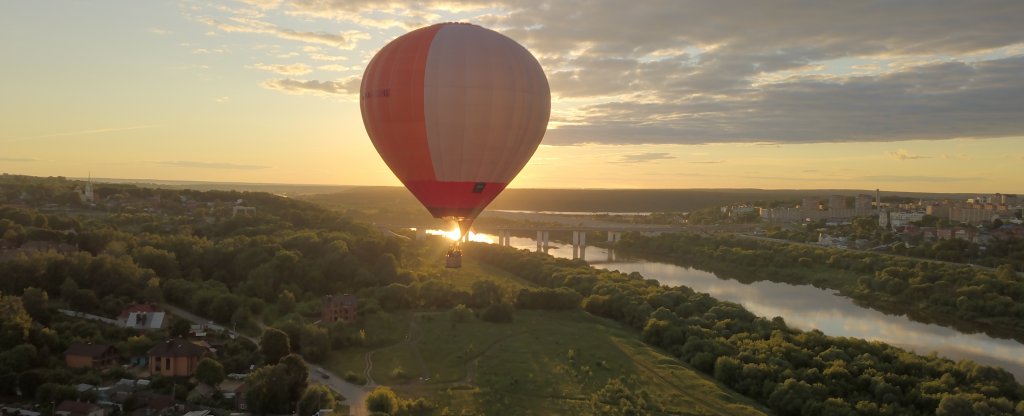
841	95
454	235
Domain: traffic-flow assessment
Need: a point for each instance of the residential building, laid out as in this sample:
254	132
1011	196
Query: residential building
862	202
338	308
90	355
175	358
837	202
900	219
235	391
940	211
809	204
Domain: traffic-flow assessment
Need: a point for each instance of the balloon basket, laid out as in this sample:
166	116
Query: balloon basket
453	259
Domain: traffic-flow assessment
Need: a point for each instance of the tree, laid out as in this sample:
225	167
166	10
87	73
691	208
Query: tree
68	289
276	388
954	405
296	375
314	398
210	371
286	302
137	345
316	342
498	313
152	291
37	303
274	345
615	398
29	381
460	313
15	322
485	293
382	400
180	328
267	394
84	300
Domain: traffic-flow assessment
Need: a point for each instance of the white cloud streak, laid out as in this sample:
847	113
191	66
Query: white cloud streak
347	86
284	69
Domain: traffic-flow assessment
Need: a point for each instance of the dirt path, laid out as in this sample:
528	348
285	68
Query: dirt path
370	382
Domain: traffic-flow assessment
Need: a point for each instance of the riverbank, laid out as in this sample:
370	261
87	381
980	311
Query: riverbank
966	299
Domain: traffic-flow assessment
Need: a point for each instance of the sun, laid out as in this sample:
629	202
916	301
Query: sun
454	235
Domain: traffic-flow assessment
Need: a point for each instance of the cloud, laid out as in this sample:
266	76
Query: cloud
222	100
903	154
644	157
335	68
17	159
240	24
936	101
209	165
158	31
938	179
691	71
347	86
706	161
285	69
263	4
326	58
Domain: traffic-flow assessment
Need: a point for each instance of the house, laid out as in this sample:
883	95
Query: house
175	358
145	317
90	355
72	408
338	308
235	390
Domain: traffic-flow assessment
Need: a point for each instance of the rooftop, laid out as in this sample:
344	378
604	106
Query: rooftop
88	350
177	348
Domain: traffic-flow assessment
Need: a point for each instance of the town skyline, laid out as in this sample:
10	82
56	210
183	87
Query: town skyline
910	97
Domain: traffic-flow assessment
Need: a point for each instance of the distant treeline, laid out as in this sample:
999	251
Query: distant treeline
791	371
607	200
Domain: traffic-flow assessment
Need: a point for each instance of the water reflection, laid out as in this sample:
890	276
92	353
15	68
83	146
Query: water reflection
808	307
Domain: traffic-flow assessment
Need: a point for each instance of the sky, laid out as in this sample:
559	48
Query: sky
912	95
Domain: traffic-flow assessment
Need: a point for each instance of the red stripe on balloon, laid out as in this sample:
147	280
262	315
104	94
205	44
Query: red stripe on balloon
454	199
392	104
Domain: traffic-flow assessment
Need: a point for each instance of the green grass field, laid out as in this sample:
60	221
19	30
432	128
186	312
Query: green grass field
524	368
542	363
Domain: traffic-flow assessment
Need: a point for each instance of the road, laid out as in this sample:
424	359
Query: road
355	395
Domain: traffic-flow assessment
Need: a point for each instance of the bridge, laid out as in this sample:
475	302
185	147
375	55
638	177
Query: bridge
614	233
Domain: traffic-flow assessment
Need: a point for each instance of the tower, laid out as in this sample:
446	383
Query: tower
89	196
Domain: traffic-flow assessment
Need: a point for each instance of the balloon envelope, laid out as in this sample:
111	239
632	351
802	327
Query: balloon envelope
456	111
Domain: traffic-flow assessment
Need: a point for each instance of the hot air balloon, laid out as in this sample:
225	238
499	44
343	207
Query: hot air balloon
456	111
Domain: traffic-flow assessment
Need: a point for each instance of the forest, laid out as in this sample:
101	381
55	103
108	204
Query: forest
272	265
185	247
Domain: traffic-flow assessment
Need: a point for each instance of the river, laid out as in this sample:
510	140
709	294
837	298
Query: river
807	307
